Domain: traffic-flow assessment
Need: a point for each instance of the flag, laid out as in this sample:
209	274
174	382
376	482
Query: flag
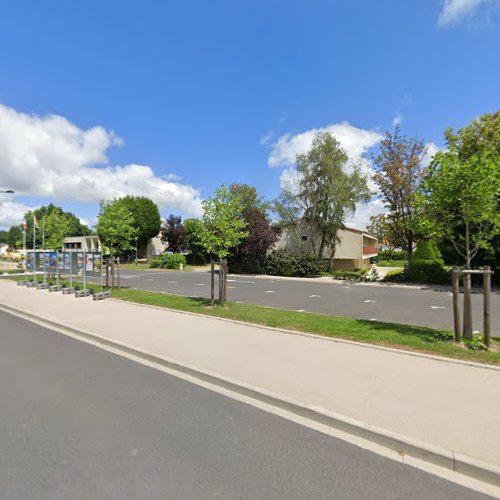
25	225
35	221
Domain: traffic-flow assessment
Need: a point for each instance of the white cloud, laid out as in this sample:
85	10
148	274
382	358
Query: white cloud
51	157
354	140
397	120
431	150
454	11
11	213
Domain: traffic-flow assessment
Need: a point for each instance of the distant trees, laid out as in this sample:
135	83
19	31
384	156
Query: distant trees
56	223
399	168
12	236
328	187
116	227
146	218
174	234
250	254
381	228
193	229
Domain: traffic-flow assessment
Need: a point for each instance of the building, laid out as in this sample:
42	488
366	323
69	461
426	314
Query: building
355	250
82	243
4	249
155	247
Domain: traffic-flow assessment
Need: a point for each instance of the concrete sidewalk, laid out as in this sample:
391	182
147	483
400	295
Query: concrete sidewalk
451	405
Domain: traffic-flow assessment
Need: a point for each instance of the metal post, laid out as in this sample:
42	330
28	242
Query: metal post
44	252
225	281
84	271
57	267
486	305
71	269
101	271
34	251
112	271
456	308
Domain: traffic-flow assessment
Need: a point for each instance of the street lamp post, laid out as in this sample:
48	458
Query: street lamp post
9	191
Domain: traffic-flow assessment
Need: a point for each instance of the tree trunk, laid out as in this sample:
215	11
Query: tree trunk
333	251
467	288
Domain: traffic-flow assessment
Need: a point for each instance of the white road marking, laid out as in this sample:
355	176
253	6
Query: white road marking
172	281
200	284
231	287
240	281
149	279
314	296
369	300
270	291
128	276
438	307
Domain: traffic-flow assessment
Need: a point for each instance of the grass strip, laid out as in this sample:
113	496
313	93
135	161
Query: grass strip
414	338
406	337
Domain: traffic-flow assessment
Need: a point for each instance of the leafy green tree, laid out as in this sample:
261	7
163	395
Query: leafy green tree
381	228
72	226
57	227
250	200
460	202
12	236
193	229
116	227
147	220
223	225
328	188
399	169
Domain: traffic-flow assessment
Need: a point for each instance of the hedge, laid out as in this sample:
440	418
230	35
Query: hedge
301	265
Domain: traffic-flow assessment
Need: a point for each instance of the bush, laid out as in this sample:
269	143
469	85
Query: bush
349	275
244	264
428	271
396	276
168	261
394	255
301	265
196	259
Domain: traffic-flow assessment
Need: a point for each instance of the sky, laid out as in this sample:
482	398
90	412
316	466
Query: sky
169	100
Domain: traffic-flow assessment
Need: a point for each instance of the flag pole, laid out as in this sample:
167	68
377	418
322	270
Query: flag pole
34	248
24	247
43	248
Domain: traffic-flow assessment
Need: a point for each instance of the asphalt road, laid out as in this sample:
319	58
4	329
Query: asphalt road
77	422
399	304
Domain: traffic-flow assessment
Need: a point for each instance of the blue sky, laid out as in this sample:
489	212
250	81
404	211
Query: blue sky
170	99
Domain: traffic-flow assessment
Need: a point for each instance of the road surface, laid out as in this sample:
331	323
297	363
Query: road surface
431	306
79	422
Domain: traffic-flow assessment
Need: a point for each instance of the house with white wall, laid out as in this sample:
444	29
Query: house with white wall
354	251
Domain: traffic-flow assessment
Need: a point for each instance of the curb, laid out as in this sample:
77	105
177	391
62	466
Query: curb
402	445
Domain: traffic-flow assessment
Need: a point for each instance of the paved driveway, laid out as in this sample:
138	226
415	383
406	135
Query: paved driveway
384	302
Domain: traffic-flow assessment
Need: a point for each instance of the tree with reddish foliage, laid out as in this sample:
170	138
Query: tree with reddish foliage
174	233
251	253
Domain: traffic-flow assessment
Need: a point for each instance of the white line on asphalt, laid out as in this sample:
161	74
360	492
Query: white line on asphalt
240	281
231	287
314	296
270	291
200	284
369	300
172	281
149	279
438	307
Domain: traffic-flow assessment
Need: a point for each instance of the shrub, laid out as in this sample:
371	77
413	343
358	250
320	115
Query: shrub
349	275
394	255
396	276
168	261
302	265
427	271
244	264
196	259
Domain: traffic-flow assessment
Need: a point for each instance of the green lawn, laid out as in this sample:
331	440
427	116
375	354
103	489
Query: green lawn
391	263
413	338
145	266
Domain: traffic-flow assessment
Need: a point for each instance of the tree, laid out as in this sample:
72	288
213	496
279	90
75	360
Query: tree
174	233
146	216
399	169
251	253
12	237
71	224
460	202
223	225
116	227
381	227
193	229
328	187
